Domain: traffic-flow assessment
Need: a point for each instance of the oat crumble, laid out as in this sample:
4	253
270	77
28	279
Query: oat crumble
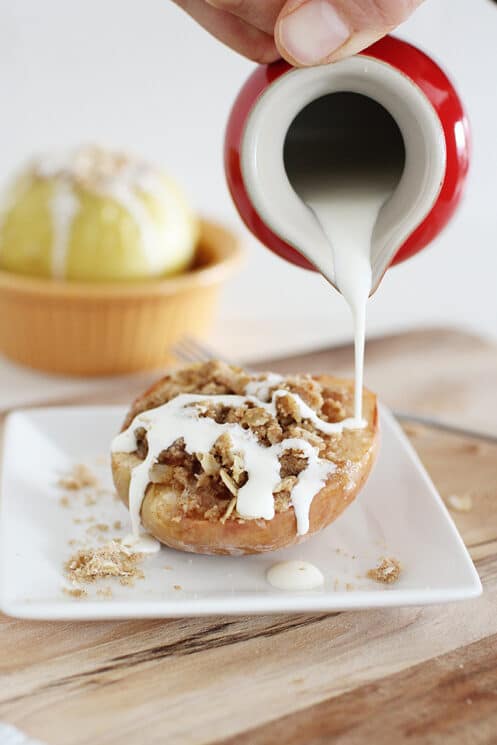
388	571
412	430
98	528
105	592
110	560
79	477
75	592
93	167
206	484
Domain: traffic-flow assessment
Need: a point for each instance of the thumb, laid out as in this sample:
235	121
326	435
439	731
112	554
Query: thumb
313	32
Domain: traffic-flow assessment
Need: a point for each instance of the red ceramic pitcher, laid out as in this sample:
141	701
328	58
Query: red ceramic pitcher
389	96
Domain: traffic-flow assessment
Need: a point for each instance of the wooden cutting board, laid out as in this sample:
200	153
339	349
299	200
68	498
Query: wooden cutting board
416	675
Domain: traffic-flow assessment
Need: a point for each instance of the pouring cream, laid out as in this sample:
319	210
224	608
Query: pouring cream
347	209
344	156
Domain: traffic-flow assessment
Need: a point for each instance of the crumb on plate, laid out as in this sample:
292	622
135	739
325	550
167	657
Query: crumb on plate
412	430
110	560
388	571
104	592
75	592
79	477
97	528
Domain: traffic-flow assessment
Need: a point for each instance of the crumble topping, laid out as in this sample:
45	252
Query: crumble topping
75	592
105	592
88	562
388	571
206	485
97	528
92	167
111	560
79	477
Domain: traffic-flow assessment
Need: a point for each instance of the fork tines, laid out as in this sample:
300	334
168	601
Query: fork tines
190	350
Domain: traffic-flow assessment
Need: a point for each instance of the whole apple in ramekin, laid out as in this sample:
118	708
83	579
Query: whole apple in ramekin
104	265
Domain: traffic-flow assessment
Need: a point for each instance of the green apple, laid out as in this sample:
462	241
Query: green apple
96	216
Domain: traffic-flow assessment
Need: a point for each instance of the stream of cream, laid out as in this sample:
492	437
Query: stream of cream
347	210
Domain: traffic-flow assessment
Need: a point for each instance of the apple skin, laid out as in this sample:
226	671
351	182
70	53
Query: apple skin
104	242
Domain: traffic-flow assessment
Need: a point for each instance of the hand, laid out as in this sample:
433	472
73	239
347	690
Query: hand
305	32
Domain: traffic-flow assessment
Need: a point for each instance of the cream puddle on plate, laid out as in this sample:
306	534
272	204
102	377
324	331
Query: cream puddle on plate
398	514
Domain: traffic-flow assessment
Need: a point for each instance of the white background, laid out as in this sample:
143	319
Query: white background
140	74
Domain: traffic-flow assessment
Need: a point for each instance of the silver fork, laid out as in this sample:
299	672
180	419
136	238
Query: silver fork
190	350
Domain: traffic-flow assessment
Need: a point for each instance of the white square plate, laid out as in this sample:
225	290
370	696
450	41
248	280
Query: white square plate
399	514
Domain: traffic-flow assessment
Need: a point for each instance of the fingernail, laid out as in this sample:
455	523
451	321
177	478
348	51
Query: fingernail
313	32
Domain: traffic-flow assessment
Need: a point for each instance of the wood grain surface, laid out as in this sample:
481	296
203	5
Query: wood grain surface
411	675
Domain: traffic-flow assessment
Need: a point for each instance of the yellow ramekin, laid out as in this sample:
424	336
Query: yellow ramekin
81	328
